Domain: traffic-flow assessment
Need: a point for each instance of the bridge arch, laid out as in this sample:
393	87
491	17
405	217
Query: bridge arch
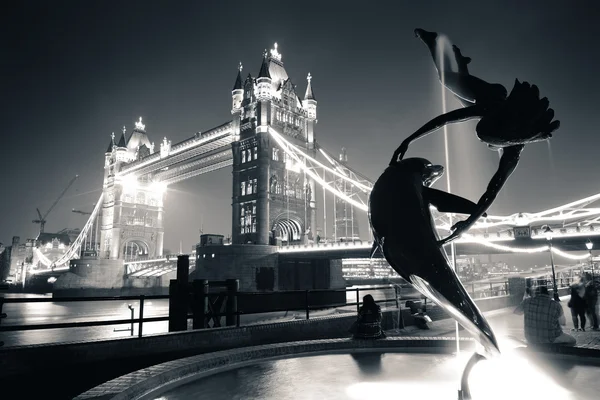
288	230
135	249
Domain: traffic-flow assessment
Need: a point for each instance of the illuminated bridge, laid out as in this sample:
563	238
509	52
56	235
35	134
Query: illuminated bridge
281	175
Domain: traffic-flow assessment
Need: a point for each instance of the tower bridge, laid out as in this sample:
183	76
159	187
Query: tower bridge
280	176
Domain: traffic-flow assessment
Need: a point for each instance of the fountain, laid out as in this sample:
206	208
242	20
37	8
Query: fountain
399	205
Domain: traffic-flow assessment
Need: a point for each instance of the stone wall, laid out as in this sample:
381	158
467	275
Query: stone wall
90	275
217	263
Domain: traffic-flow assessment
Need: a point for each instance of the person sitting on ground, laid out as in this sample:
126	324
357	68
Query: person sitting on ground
577	304
543	318
420	317
368	323
591	300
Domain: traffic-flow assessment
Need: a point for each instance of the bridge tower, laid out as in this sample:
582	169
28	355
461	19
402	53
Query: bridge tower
272	196
132	208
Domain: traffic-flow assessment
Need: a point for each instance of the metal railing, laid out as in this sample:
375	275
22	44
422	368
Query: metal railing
141	320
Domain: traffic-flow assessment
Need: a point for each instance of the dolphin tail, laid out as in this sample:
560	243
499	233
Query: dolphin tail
453	298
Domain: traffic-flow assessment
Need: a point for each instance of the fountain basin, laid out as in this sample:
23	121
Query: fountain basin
334	369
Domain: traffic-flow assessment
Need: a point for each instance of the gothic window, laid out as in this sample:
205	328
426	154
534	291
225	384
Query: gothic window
127	198
149	222
273	184
275	154
248	155
254	185
140	198
278	188
243	189
248	218
255	152
243	156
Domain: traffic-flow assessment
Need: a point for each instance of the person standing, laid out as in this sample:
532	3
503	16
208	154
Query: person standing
577	304
591	300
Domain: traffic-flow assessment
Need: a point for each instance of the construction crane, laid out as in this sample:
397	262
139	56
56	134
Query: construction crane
42	219
81	212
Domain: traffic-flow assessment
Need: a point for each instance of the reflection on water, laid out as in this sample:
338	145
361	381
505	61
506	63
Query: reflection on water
382	376
59	312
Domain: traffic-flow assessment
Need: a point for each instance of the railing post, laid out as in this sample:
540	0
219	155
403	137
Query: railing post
357	300
307	302
233	286
141	320
132	320
200	300
2	316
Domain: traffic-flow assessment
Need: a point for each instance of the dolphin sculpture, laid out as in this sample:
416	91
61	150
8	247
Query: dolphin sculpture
403	228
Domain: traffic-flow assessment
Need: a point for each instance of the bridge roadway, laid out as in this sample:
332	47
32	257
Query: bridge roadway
357	249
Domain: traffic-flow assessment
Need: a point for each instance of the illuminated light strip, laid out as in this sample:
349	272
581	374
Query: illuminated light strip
586	200
540	249
342	167
225	128
326	247
279	138
314	176
466	239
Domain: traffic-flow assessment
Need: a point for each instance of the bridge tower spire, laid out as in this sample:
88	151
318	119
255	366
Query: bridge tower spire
272	198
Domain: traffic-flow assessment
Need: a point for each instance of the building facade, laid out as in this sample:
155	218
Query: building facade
273	199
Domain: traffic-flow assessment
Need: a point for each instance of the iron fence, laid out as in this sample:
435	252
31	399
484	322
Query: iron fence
495	289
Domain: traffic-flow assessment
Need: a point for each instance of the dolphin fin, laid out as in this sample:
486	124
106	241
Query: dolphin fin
448	202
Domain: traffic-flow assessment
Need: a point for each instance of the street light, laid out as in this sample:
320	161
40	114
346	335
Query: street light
590	246
548	233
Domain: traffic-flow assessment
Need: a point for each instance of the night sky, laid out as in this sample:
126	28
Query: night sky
73	72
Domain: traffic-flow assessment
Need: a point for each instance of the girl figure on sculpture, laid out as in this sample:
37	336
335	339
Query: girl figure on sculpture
506	123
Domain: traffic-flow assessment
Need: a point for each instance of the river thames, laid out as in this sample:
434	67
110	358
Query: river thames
19	314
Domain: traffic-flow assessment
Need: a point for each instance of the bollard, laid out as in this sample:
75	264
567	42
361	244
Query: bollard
233	286
357	300
177	307
178	296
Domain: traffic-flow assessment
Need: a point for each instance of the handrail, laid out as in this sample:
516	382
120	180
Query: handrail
141	298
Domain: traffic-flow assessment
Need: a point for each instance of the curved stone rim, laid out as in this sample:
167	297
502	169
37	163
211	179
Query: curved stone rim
147	383
152	381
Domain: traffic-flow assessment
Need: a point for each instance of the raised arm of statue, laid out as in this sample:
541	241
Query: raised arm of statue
508	163
460	115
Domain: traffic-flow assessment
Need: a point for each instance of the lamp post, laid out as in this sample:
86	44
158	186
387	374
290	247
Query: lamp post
590	246
548	232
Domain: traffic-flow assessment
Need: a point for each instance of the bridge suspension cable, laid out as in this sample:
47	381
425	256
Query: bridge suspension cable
74	249
568	214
